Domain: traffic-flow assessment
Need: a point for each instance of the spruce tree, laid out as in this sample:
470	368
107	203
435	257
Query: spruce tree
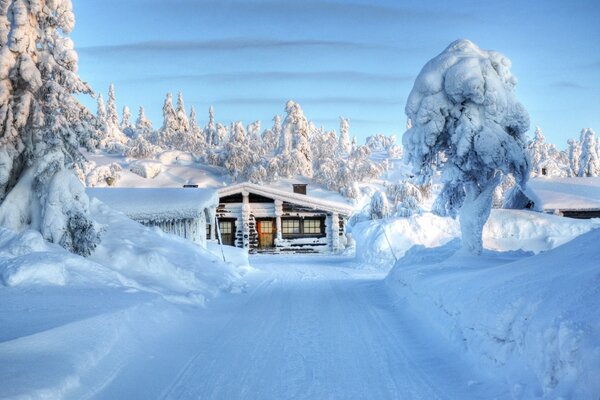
40	118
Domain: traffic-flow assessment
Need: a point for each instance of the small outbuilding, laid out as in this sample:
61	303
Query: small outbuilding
264	219
184	212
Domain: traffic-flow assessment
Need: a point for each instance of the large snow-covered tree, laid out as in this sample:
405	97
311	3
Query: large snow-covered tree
39	120
467	122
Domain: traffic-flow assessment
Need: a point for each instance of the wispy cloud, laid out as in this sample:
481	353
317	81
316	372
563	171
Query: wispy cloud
568	85
231	44
275	76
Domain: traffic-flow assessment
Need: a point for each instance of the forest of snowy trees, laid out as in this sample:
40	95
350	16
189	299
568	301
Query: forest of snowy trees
292	146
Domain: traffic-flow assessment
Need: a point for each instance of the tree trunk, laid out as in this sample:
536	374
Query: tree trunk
474	214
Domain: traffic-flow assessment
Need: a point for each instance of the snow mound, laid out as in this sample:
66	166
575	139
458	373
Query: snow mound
505	230
534	319
130	256
146	169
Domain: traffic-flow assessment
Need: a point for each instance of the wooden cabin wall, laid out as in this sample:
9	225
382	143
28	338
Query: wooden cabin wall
334	239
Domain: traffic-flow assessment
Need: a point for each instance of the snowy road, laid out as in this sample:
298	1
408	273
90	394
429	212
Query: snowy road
307	328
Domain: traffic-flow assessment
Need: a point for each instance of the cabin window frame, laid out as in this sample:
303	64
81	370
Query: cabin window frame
304	231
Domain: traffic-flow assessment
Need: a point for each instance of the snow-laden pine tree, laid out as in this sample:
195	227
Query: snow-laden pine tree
574	151
182	119
39	119
538	152
588	159
296	129
284	147
112	118
270	137
210	130
170	123
143	126
196	132
221	135
344	146
463	108
126	126
238	158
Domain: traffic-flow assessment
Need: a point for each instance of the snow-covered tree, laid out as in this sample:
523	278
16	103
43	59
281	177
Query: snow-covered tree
344	146
170	123
296	129
112	118
463	108
238	158
538	152
183	124
141	148
100	109
574	152
270	137
126	126
405	197
143	126
39	121
210	130
195	130
588	159
221	135
379	206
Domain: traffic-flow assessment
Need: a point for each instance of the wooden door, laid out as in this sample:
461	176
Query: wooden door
266	233
227	229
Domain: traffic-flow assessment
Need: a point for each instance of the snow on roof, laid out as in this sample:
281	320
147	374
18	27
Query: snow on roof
157	203
567	194
304	199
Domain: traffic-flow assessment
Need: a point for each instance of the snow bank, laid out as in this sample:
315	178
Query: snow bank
505	230
532	231
534	319
130	256
379	242
69	323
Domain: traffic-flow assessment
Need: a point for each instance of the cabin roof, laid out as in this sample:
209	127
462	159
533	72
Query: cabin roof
156	204
567	194
288	196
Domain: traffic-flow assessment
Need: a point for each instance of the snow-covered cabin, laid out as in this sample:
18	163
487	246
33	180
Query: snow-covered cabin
265	219
183	212
568	197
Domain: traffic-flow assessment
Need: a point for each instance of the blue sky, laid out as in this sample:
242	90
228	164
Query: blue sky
358	58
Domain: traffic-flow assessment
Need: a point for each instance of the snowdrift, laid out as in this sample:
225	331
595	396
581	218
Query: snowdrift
130	256
535	319
69	323
504	230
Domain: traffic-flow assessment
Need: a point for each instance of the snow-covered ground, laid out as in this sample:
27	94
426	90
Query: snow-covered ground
150	315
533	321
306	327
